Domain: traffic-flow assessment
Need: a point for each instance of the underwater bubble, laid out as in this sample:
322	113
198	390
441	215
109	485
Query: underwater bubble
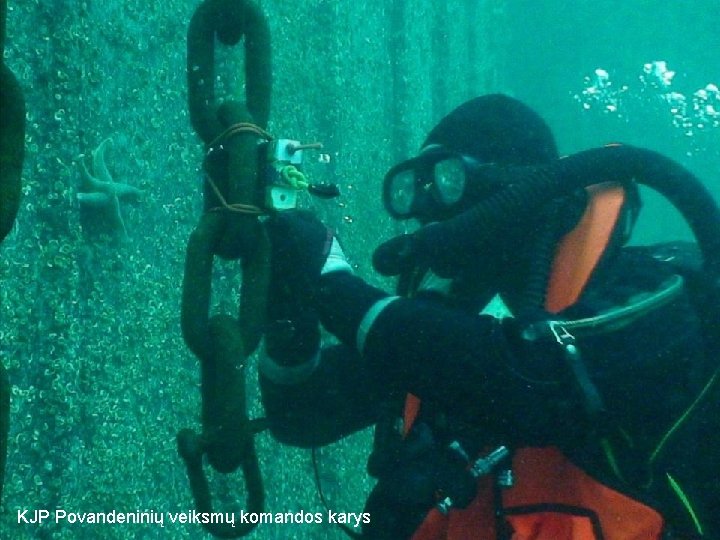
601	76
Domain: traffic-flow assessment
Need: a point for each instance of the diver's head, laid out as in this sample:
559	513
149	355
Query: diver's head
449	177
496	129
446	177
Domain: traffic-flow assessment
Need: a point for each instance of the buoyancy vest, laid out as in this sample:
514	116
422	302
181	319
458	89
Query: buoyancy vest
551	498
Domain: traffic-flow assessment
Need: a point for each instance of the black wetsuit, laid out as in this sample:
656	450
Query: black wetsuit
483	385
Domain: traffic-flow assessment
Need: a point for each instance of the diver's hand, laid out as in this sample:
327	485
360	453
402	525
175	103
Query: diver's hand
395	256
302	249
419	249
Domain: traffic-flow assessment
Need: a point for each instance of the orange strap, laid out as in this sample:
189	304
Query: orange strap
580	250
412	408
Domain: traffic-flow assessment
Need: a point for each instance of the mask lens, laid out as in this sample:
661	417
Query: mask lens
402	192
450	180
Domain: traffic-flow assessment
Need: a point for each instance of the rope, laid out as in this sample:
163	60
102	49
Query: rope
237	129
318	485
238	208
294	177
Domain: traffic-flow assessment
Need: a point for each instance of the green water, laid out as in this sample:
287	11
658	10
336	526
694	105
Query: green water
101	380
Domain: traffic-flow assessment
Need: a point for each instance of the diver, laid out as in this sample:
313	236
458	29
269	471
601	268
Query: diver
534	377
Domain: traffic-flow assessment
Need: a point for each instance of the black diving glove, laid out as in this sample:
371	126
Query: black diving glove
300	245
301	249
420	249
395	256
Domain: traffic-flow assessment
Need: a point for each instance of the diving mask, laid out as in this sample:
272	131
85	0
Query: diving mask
432	186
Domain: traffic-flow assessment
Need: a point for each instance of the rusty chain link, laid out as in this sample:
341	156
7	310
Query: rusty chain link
230	229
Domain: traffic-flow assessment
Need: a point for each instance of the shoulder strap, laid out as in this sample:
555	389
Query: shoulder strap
580	250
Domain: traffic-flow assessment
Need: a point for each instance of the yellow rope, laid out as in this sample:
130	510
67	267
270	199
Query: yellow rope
684	416
685	501
295	178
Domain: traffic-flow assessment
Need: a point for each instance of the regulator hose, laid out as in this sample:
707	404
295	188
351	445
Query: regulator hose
527	189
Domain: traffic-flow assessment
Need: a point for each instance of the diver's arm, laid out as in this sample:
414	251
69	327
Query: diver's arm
467	364
333	397
458	360
312	395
